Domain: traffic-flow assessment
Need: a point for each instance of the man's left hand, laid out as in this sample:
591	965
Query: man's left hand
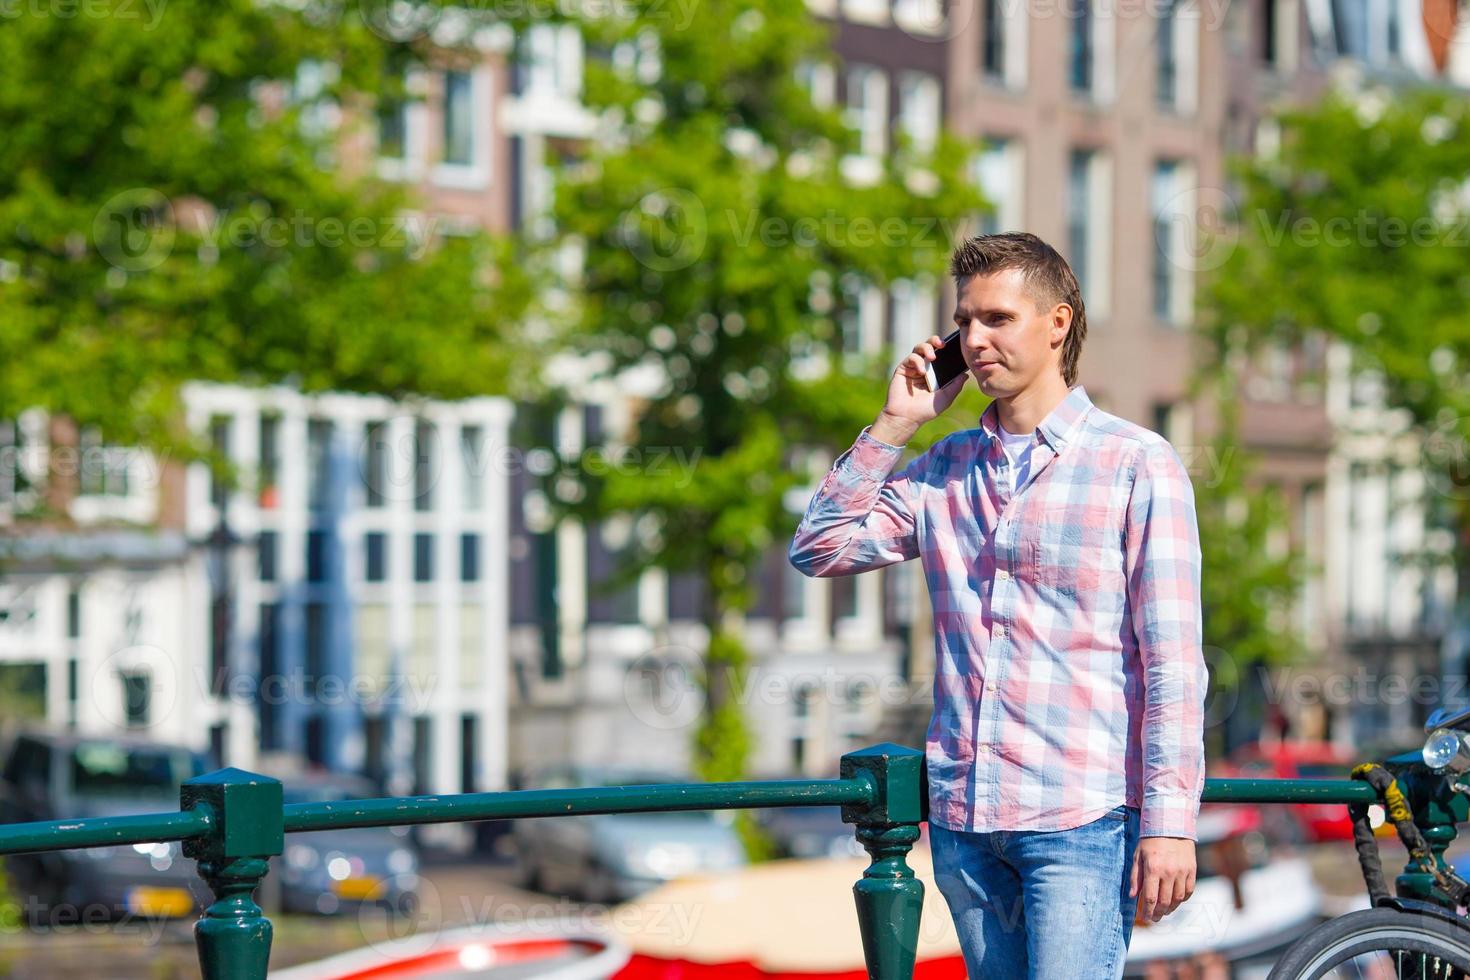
1163	875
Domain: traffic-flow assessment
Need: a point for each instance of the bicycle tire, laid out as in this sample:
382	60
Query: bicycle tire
1443	944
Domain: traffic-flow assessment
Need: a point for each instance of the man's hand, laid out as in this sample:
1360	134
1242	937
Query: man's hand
910	403
1163	875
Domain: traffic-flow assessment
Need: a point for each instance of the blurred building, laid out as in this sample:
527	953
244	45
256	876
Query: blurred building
330	584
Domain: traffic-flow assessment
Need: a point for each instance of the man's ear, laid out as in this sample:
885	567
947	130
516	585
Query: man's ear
1061	323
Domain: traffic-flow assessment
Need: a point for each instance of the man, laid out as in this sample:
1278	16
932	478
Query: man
1065	754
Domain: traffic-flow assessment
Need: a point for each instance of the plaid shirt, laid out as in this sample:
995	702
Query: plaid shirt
1069	671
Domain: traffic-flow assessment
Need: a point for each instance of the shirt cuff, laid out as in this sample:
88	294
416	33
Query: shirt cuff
1165	815
872	458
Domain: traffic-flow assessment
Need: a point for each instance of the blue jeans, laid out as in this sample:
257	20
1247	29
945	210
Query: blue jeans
1049	905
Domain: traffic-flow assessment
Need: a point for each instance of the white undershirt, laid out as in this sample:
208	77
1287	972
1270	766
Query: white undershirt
1018	450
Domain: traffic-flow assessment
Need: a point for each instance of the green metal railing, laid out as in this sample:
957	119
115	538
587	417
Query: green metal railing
232	822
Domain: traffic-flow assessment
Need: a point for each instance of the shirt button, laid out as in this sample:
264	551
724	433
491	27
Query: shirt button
1000	631
1002	574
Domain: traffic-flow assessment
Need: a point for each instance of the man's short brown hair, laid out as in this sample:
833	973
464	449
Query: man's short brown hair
1049	280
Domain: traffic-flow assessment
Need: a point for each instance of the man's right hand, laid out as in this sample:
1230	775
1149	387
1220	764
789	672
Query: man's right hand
910	402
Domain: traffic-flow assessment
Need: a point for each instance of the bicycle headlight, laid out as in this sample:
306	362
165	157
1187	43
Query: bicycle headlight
1445	749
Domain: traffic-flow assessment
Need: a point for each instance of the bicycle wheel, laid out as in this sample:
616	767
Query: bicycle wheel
1379	943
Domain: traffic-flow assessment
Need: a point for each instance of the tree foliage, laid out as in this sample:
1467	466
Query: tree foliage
720	226
186	193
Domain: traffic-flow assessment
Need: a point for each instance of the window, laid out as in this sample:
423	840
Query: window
551	61
219	445
375	556
423	558
469	558
318	463
74	613
1172	269
1079	209
15	484
1176	68
424	468
316	644
1089	231
219	643
375	464
393	120
919	108
1082	47
266	547
268	470
817	78
459	118
608	542
1166	75
861	320
867	108
998	173
471	451
993	39
104	469
316	556
270	674
914	312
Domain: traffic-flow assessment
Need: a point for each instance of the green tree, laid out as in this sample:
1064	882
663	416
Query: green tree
717	233
1358	227
180	199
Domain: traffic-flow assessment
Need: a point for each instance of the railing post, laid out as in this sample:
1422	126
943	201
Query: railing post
1437	808
233	936
889	897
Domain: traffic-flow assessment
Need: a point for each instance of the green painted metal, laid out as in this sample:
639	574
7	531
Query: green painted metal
1288	791
232	822
61	835
234	937
558	802
889	898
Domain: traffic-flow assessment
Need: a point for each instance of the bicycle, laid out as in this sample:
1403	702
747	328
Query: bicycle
1401	937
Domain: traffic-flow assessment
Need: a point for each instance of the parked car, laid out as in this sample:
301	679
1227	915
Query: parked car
326	872
50	776
1299	822
810	832
611	857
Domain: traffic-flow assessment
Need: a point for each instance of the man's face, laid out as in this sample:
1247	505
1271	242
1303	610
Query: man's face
1008	339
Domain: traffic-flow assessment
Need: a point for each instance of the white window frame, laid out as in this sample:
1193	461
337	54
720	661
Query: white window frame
920	105
474	175
410	166
1184	26
1097	276
874	12
870	118
999	171
1178	199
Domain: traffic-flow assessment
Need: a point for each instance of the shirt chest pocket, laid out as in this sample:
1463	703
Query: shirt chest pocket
1073	549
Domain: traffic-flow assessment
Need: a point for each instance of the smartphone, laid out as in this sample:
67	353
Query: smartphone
948	364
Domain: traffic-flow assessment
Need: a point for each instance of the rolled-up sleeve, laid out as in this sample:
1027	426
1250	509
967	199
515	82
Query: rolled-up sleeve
1163	567
860	518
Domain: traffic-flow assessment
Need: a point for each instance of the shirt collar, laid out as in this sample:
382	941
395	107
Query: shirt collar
1060	425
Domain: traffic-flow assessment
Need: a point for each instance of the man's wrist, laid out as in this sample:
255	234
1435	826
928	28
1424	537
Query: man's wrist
894	431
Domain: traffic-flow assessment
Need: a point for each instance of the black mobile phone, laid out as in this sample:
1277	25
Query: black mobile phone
948	363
